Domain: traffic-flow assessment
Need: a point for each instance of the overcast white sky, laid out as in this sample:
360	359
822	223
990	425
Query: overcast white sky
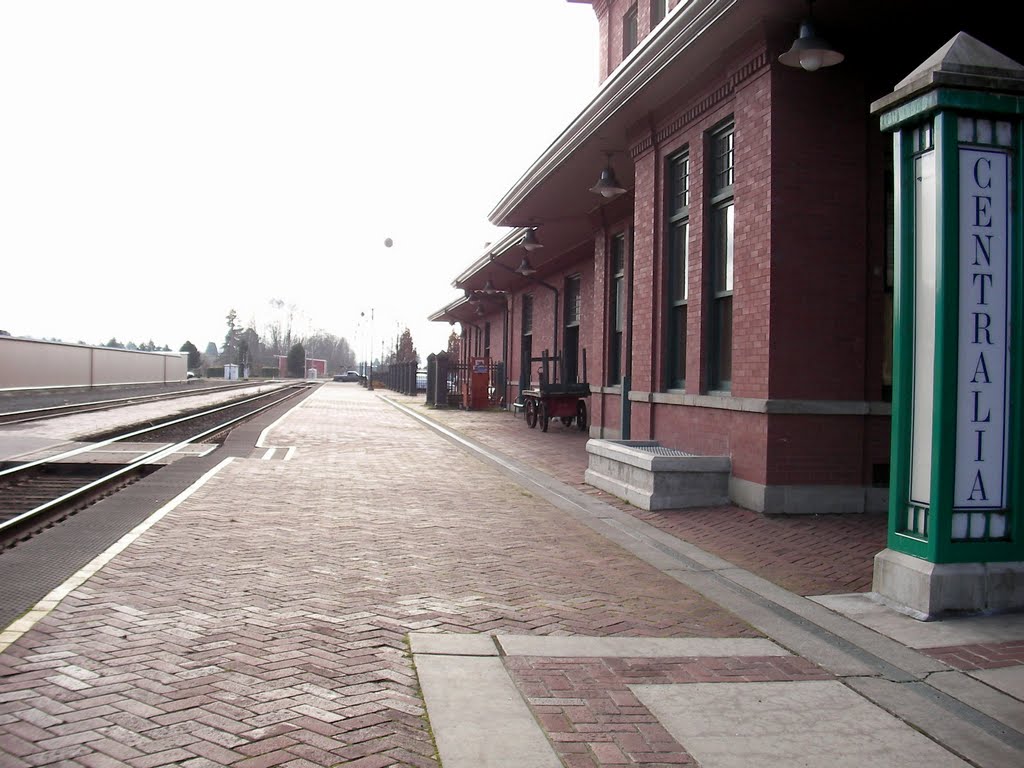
164	162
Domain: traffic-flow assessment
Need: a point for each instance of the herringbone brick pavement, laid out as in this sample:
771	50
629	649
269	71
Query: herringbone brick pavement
806	554
263	621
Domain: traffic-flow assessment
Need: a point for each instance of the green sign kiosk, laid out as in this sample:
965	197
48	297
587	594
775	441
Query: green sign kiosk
955	540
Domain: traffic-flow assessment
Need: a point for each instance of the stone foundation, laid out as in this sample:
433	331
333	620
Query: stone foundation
928	590
651	477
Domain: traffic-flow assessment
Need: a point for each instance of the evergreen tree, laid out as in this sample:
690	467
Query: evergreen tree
193	354
454	346
406	351
297	361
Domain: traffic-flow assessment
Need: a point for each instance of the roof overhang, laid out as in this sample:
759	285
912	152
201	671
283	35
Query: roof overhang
557	184
677	59
497	267
470	309
454	312
686	44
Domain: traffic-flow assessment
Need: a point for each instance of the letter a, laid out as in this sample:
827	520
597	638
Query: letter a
978	487
981	368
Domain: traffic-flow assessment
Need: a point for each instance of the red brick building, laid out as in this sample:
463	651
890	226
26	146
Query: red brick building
311	364
736	298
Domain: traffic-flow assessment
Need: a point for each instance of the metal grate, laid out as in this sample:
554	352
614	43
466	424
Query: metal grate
657	450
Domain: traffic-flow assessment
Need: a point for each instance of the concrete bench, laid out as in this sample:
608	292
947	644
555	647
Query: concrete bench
650	476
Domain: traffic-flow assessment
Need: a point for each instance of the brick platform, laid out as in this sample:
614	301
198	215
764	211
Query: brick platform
262	622
809	555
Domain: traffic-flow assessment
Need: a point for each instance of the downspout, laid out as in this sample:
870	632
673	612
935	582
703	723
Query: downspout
627	378
550	287
506	351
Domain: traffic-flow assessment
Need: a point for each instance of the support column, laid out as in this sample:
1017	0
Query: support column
955	539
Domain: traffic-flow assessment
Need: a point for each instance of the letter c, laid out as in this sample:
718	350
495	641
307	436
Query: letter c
987	184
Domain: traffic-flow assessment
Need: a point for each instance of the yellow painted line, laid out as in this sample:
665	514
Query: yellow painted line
48	603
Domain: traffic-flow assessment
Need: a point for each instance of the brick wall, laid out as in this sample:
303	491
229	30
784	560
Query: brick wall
647	274
808	270
714	432
878	324
609	18
754	284
747	100
819	212
798	453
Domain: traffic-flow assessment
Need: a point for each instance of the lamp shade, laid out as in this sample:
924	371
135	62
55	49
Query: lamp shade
608	186
489	287
526	268
530	241
810	52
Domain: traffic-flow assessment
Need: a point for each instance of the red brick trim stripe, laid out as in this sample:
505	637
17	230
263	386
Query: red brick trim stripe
592	718
979	655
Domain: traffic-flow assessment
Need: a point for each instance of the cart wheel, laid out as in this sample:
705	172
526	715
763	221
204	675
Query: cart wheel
566	420
543	417
531	413
581	415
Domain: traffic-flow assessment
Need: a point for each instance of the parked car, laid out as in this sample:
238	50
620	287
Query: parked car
421	381
348	376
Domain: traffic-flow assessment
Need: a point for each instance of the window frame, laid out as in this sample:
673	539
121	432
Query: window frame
677	218
630	30
526	341
616	307
572	318
659	10
573	309
721	146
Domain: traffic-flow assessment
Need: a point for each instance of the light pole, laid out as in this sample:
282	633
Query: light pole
361	344
369	377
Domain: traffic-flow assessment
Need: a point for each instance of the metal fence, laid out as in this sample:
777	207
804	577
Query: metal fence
399	377
448	382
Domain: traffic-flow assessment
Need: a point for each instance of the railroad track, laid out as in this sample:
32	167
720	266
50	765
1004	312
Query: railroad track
37	494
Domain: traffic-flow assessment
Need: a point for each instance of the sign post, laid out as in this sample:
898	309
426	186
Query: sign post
955	541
